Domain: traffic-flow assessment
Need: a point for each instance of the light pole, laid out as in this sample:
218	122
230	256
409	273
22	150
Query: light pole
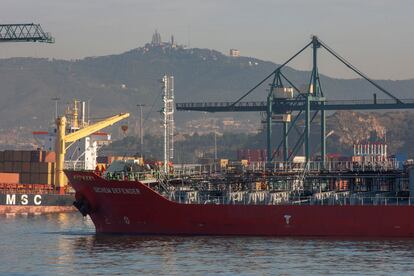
215	145
56	99
140	129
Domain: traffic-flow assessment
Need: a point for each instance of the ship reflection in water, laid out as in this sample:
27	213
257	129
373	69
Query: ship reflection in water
66	244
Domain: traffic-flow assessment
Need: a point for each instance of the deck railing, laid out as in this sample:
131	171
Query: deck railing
74	165
289	167
249	199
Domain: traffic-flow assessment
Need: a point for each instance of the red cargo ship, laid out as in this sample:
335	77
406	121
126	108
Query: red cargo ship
135	207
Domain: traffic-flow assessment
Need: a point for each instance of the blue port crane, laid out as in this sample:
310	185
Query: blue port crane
27	32
282	101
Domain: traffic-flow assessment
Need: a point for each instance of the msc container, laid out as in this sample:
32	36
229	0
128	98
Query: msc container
34	178
9	178
26	156
8	167
17	156
25	178
45	167
1	156
25	167
45	178
34	167
17	167
8	155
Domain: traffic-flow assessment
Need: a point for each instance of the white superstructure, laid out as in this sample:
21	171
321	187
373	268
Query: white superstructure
82	153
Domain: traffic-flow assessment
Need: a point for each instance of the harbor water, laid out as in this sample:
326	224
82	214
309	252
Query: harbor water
65	244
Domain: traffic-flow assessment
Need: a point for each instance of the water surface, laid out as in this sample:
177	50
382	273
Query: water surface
62	244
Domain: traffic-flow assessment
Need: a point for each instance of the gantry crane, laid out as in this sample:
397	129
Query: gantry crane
281	103
28	32
62	139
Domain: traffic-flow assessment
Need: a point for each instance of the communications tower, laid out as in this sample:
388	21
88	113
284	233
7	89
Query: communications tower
168	117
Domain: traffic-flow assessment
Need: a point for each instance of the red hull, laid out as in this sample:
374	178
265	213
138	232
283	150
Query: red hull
128	207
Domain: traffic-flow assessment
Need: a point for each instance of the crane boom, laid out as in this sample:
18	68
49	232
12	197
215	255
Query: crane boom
28	32
62	139
86	131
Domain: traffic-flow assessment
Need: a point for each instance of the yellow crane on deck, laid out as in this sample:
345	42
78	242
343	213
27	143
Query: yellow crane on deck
62	139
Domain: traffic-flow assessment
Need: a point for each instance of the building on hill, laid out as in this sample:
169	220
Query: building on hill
234	53
156	39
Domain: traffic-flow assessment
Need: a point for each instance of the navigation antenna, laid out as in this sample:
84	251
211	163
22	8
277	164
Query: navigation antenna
168	112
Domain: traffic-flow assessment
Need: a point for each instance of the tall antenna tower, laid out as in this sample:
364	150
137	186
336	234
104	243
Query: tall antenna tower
168	112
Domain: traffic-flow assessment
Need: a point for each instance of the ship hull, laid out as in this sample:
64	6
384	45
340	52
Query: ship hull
130	207
34	203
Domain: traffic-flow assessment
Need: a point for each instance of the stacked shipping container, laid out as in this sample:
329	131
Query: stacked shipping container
33	167
252	155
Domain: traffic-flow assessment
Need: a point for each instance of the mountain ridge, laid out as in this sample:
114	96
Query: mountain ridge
29	84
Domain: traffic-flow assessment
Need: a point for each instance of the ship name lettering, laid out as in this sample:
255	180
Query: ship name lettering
37	199
126	191
23	200
10	199
83	177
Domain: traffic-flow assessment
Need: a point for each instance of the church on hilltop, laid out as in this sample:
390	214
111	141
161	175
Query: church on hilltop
156	41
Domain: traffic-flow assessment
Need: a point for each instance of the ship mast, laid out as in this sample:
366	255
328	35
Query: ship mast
168	112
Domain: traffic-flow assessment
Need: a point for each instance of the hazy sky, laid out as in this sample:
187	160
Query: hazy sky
377	36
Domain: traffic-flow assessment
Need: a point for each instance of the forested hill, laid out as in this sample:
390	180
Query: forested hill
116	83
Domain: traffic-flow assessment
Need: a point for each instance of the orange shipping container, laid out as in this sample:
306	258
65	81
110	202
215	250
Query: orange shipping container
49	156
9	178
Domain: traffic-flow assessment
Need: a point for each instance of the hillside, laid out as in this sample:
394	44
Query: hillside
28	84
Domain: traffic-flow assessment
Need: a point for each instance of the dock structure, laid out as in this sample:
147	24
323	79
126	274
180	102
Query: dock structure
287	104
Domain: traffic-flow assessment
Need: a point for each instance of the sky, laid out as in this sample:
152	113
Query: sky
377	36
